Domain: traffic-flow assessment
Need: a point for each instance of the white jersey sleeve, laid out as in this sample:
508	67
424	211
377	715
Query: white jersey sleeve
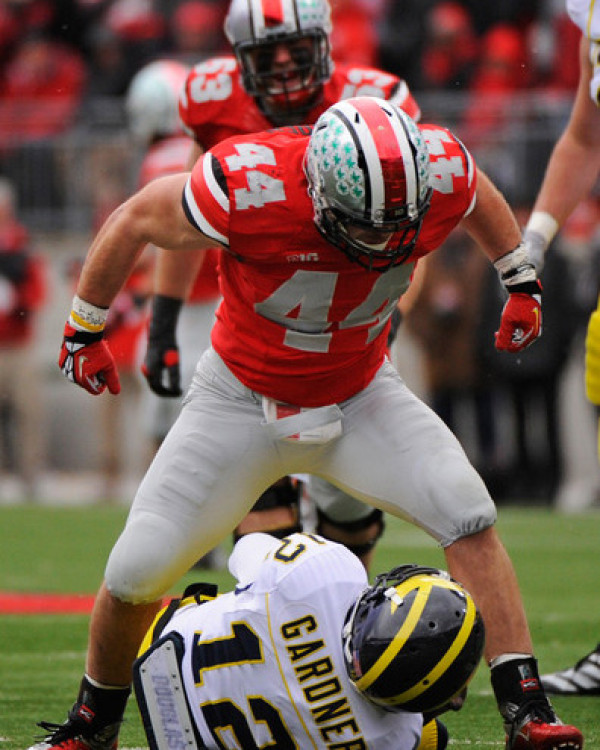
263	665
586	14
249	554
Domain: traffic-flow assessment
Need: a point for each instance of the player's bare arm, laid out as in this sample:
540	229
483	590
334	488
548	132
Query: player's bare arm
153	215
492	223
576	153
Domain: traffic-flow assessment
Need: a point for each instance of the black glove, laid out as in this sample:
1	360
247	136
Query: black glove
161	366
13	266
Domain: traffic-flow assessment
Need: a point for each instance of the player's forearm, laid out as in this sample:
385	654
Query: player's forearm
153	215
111	258
491	223
571	174
574	164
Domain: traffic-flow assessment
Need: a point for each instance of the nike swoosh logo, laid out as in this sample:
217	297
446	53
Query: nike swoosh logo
80	363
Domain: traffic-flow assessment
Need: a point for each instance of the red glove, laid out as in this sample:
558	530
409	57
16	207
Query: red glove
86	360
521	321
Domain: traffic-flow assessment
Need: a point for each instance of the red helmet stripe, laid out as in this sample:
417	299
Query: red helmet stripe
392	146
273	12
391	173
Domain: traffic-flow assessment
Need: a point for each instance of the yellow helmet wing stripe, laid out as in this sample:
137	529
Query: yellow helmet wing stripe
403	634
441	667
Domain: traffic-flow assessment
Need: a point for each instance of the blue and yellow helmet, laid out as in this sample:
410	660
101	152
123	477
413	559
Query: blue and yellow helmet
413	640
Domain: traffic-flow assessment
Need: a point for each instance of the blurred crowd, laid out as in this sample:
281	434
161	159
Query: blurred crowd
66	51
57	56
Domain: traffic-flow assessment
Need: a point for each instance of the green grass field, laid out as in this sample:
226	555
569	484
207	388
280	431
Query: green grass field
64	550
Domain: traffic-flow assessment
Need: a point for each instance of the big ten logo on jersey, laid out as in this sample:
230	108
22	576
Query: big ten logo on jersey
366	82
211	80
449	159
302	257
262	187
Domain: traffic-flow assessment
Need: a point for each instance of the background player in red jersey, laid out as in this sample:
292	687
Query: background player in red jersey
152	111
320	231
151	103
281	73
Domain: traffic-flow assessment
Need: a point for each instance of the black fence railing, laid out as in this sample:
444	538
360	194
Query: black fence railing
67	181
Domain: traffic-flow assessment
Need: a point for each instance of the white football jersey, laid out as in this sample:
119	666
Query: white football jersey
263	665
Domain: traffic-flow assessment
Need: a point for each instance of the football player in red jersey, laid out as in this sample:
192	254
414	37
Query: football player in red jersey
151	105
281	73
152	113
320	230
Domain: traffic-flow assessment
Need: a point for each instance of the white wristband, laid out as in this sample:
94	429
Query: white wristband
87	317
544	224
515	267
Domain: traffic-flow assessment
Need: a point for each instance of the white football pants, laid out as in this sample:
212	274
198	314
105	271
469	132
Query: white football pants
394	453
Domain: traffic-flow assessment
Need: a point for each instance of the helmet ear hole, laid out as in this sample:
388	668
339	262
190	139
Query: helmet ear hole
438	652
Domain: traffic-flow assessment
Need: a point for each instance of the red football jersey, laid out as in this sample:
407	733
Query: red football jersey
215	106
167	156
170	156
299	321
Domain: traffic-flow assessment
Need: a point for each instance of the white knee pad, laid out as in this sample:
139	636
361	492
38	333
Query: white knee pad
149	557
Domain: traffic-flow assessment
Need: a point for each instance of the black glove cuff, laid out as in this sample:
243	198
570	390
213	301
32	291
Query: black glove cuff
165	314
85	337
527	287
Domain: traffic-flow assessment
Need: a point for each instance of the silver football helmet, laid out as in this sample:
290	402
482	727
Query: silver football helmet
368	173
413	640
286	86
152	100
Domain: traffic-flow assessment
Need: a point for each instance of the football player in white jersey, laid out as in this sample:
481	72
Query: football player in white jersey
305	654
320	229
575	161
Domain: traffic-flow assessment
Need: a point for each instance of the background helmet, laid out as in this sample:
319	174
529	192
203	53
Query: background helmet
152	100
255	27
413	640
368	166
